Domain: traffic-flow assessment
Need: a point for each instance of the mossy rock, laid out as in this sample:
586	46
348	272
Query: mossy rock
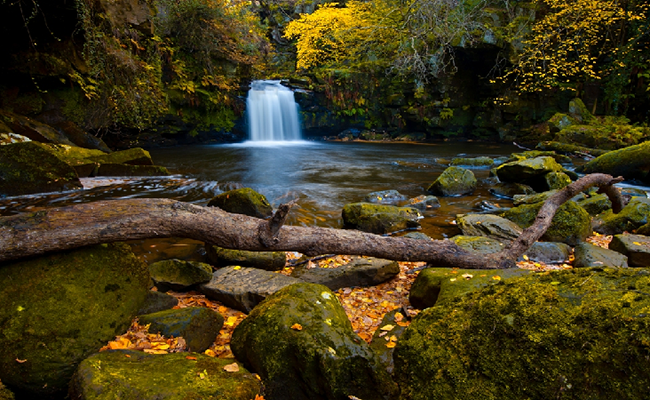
300	341
509	190
581	333
5	394
571	223
475	162
533	198
579	111
388	329
595	205
567	148
631	162
33	129
134	156
266	260
560	158
531	171
634	215
557	180
589	255
488	225
30	167
128	374
586	135
179	275
479	244
131	170
157	301
379	218
635	247
384	197
434	286
423	202
454	181
243	201
59	309
199	326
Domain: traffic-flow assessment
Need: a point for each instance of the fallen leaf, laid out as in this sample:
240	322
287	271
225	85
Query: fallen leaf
496	277
236	267
398	317
190	358
296	327
20	361
234	367
390	345
387	327
525	257
210	353
467	276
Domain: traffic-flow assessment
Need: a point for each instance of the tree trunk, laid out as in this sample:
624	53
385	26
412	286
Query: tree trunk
64	228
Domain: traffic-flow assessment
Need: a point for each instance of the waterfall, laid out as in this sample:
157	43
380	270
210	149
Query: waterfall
272	113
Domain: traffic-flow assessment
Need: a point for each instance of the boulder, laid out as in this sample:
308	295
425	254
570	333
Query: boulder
435	286
635	247
131	170
243	201
508	190
644	230
634	215
454	181
392	326
560	158
128	374
547	252
595	204
581	333
199	326
488	225
134	156
267	260
479	244
10	137
384	197
530	171
417	235
633	163
59	309
423	202
589	255
360	271
29	167
300	341
379	218
243	288
567	148
475	162
179	275
35	130
532	198
157	301
557	180
571	223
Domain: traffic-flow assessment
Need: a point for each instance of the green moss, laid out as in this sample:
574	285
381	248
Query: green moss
267	260
634	215
243	201
454	181
630	162
379	218
575	334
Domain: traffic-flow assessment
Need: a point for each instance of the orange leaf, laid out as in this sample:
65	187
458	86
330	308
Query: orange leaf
390	345
190	358
296	327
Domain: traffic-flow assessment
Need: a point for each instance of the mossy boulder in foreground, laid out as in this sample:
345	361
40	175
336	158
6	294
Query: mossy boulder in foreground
379	218
59	309
302	344
454	181
582	334
127	374
243	201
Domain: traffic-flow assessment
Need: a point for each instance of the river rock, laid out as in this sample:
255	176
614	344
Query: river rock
128	374
417	235
595	204
58	309
134	156
634	215
644	230
479	244
577	329
266	260
179	275
631	162
423	202
35	130
29	167
243	288
560	158
445	285
567	148
300	341
131	170
243	201
488	225
10	137
571	223
557	180
547	252
384	197
360	271
635	247
589	255
454	181
530	171
388	330
475	162
508	190
379	218
157	301
199	326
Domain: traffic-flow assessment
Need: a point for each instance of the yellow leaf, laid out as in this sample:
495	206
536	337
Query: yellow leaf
525	257
154	351
231	321
467	276
387	327
210	353
296	327
231	367
496	277
390	345
399	317
636	243
236	267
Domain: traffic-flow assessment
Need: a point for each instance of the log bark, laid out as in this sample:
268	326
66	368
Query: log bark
64	228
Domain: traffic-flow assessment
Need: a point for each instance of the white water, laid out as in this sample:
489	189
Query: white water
272	113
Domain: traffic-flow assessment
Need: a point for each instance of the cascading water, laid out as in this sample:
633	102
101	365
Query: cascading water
272	113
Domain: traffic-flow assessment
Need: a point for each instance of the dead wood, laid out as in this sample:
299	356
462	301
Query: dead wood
64	228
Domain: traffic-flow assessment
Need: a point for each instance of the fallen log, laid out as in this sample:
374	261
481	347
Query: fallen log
56	229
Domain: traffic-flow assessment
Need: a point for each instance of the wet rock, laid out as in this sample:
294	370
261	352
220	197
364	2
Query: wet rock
423	202
454	181
488	225
134	156
199	326
360	271
384	197
35	130
417	235
557	180
243	201
480	339
266	260
547	252
243	288
644	230
128	374
434	286
300	341
631	162
479	244
533	198
131	170
571	223
30	167
157	301
567	148
508	190
529	171
635	247
589	255
475	162
595	205
179	275
10	137
388	330
560	158
59	309
634	215
377	218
